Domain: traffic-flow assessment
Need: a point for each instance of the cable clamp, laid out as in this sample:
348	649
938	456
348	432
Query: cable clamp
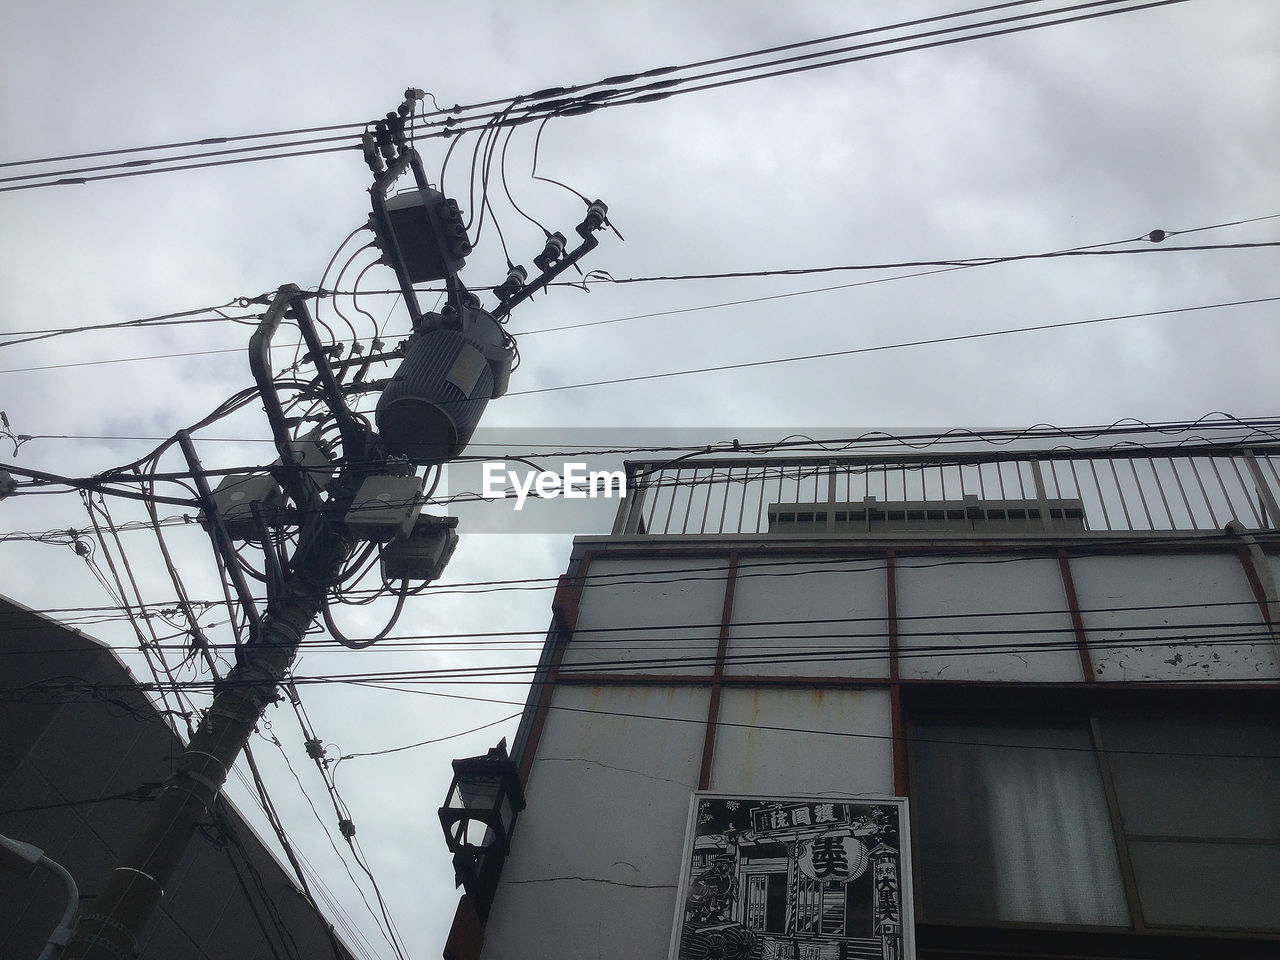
202	753
110	947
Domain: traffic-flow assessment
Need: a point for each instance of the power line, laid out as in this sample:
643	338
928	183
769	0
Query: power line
916	441
449	114
772	567
1262	432
964	262
945	266
957	338
1255	633
542	105
162	320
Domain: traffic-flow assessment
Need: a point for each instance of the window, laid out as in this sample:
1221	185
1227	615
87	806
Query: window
1013	825
1112	819
1199	802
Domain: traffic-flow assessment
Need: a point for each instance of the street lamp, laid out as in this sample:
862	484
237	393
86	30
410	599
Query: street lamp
478	818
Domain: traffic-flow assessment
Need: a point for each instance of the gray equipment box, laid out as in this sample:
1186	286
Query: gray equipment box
424	553
233	501
385	506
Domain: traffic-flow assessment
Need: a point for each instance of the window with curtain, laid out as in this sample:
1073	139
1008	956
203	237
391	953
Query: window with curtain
1013	823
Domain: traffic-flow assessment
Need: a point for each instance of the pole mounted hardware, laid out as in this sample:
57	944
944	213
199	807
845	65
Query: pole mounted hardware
322	495
554	261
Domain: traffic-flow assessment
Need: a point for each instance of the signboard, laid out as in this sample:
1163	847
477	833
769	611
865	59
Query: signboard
795	878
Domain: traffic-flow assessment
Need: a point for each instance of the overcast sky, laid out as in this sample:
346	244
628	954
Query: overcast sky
1091	133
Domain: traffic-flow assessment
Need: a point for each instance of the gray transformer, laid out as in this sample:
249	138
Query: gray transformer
455	363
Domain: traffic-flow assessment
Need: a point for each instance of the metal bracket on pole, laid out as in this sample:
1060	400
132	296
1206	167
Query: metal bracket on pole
589	243
291	298
221	539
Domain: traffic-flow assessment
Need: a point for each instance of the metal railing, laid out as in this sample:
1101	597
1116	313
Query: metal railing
1126	489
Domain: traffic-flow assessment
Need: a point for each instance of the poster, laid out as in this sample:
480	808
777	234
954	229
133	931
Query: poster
794	878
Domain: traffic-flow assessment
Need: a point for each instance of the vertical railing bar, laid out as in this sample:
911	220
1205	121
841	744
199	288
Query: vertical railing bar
706	506
660	490
1213	462
730	483
762	512
655	494
832	480
688	504
627	506
1000	478
643	500
1213	514
1022	482
942	479
1244	489
1097	486
742	505
1142	497
666	527
1173	524
1059	492
1266	496
982	490
1270	462
1186	502
1124	505
1075	478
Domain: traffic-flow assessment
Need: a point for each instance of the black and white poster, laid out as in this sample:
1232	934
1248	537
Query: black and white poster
794	878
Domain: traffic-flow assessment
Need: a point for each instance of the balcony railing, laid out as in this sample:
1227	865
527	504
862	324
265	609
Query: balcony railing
1135	489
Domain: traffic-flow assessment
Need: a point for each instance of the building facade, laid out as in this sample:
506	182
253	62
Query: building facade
1058	668
80	748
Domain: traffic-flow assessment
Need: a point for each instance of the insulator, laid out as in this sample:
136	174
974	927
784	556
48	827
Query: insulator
595	218
552	252
395	123
411	96
371	154
385	144
516	277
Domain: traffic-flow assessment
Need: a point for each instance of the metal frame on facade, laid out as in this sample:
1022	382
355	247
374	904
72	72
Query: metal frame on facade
630	540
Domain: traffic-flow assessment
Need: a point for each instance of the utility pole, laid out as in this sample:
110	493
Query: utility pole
454	362
109	930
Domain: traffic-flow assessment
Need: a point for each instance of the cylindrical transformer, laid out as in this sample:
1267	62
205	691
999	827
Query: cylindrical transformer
454	365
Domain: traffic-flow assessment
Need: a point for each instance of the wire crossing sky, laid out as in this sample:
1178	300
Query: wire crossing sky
890	190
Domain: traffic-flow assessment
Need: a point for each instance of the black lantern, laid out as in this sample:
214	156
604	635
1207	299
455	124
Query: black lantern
478	818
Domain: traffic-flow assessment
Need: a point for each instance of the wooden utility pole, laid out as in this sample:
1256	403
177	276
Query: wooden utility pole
110	928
